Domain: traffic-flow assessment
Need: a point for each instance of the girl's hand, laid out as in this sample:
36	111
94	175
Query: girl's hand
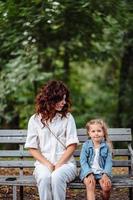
105	180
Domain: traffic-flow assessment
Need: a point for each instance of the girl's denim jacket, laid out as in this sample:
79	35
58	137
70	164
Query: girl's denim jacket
87	157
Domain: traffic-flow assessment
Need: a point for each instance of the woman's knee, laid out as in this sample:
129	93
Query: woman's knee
43	180
57	178
42	174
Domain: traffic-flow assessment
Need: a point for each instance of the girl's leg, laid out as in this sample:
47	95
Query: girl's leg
59	179
90	187
106	189
43	178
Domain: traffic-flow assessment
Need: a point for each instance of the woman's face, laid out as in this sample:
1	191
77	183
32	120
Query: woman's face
59	105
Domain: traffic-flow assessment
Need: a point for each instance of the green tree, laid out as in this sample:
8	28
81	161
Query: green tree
79	42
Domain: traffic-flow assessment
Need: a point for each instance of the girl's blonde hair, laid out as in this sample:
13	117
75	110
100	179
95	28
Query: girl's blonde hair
104	128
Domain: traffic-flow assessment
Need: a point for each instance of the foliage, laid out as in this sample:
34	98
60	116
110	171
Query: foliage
79	42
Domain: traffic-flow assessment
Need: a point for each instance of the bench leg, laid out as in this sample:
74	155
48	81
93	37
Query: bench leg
130	193
21	192
14	192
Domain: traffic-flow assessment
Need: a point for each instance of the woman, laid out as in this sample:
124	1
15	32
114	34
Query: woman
52	140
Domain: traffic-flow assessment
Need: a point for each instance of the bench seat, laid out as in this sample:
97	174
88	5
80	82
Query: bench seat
117	181
14	156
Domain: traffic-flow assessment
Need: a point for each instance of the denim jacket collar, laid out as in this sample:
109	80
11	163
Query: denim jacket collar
91	145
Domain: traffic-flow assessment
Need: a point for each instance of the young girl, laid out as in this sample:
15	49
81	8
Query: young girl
52	139
96	159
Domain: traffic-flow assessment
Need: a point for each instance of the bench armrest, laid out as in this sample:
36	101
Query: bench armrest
130	149
131	152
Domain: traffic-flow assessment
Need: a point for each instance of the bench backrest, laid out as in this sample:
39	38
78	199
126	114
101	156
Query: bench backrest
121	138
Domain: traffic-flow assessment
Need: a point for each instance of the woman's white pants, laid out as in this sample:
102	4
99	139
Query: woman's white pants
52	185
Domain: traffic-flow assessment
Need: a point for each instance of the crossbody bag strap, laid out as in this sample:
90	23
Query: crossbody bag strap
55	136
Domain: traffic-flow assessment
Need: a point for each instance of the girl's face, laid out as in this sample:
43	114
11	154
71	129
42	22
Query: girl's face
96	133
59	105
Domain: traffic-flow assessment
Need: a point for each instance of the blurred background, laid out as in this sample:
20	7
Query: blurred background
88	44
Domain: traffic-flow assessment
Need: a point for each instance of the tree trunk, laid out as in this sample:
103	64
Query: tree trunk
125	108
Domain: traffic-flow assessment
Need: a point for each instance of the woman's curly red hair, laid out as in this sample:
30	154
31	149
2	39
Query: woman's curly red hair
49	95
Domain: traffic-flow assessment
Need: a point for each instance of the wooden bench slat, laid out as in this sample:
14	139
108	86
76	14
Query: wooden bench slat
30	164
14	153
17	164
117	181
121	163
117	134
21	140
82	131
12	140
116	152
116	163
20	180
25	153
113	138
121	152
11	132
79	130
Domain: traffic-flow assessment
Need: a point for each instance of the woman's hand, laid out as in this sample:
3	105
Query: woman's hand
38	156
57	165
50	166
66	155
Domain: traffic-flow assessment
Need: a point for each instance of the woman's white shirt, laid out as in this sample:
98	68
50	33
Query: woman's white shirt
41	138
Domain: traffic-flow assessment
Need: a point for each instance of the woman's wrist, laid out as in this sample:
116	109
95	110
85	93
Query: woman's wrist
50	165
